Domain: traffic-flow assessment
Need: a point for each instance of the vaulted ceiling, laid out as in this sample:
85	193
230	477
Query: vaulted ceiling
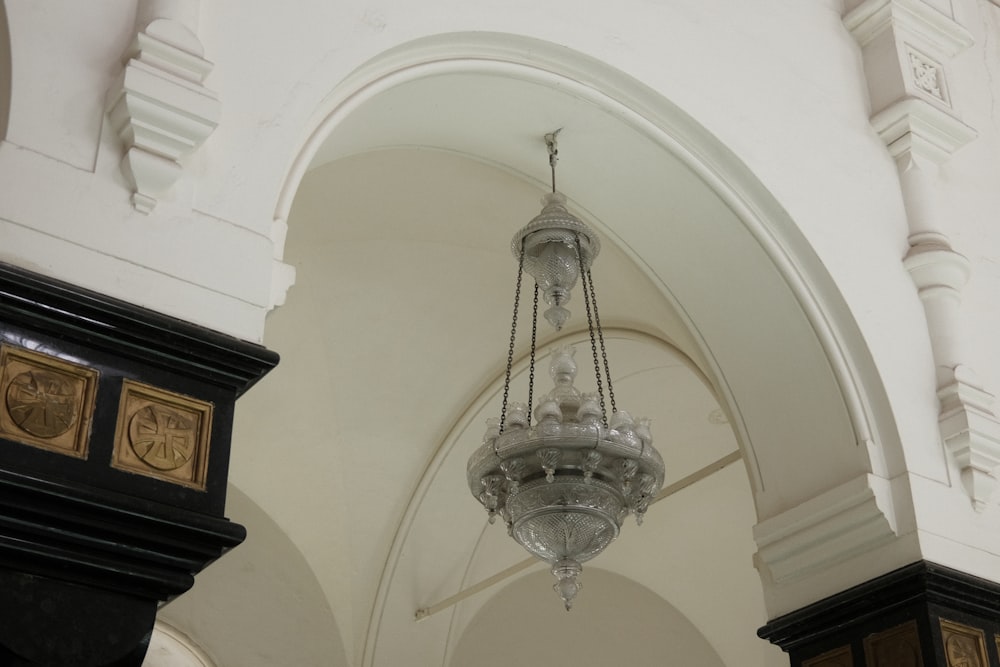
349	459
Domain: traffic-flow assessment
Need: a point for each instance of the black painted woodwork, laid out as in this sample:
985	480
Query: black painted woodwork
923	593
88	552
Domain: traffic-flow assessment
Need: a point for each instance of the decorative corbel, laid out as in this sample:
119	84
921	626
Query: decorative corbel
971	433
159	107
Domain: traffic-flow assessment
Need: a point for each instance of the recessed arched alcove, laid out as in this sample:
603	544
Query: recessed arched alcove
169	647
758	308
400	209
393	355
645	628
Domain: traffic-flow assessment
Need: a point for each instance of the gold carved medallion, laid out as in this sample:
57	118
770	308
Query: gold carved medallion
45	401
964	646
838	657
163	435
896	647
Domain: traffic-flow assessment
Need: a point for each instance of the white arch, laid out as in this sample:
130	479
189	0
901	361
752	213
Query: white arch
851	395
682	137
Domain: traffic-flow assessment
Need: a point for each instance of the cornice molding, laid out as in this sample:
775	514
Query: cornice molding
843	522
96	540
131	331
919	127
921	583
914	17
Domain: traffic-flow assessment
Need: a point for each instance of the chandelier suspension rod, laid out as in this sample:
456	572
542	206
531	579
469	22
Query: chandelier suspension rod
679	485
600	337
534	337
590	327
553	146
513	333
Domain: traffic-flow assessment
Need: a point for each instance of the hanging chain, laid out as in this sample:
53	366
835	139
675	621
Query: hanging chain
534	334
513	333
600	336
590	327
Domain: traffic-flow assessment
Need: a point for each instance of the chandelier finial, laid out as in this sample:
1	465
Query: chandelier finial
555	246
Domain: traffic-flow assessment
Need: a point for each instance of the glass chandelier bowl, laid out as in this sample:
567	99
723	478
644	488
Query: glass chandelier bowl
564	485
564	482
550	254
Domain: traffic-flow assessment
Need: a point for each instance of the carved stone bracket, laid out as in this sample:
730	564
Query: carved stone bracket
160	109
841	523
971	433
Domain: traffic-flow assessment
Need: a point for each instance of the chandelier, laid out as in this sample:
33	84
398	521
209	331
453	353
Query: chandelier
564	483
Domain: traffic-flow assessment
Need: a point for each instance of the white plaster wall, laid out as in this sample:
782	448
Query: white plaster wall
778	81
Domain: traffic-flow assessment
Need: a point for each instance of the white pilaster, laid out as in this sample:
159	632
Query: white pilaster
906	46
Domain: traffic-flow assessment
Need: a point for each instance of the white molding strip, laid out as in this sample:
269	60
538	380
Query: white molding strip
846	521
915	17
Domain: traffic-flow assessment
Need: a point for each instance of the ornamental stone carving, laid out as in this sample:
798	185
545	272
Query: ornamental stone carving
163	435
159	107
928	76
964	646
45	402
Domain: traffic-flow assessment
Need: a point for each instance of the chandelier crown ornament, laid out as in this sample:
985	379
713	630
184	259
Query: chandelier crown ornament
563	484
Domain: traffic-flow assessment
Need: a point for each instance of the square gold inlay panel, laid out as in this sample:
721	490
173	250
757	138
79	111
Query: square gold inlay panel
895	647
163	435
838	657
45	401
964	646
